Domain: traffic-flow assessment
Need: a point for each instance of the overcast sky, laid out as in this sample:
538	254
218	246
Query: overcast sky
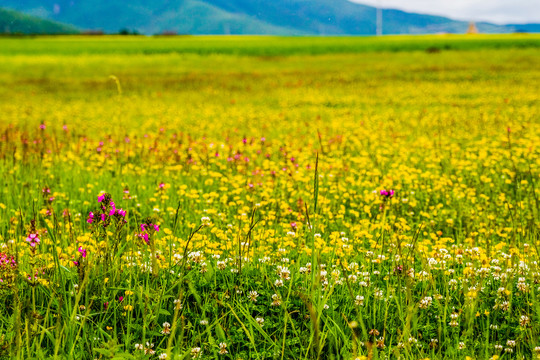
496	11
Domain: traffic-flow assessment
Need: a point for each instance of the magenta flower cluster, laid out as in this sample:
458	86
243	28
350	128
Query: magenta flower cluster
107	211
7	261
147	229
8	267
387	193
82	251
33	239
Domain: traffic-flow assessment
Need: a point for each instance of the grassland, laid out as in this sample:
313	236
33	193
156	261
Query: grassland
261	45
256	175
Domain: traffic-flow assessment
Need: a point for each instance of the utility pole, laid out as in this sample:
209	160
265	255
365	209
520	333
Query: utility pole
379	19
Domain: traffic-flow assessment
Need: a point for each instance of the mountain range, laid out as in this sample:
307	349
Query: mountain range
272	17
14	22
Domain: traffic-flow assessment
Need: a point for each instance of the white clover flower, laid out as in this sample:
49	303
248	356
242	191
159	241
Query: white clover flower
425	302
196	352
253	295
223	348
284	273
166	328
276	300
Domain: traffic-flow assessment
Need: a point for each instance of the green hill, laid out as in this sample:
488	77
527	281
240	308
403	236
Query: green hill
14	22
278	17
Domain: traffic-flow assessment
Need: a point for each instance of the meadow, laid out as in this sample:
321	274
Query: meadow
270	198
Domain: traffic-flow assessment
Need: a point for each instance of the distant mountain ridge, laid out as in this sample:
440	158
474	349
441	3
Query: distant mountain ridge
14	22
276	17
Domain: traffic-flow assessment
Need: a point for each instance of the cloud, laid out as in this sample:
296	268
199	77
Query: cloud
498	11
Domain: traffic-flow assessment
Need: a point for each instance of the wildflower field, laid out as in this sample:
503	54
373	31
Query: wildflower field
270	198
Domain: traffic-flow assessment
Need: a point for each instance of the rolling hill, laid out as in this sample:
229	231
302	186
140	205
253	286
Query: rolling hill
14	22
279	17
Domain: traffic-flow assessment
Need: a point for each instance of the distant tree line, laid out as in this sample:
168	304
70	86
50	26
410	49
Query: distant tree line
126	31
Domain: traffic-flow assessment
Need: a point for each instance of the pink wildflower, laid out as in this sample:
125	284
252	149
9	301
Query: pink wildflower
82	251
33	239
387	193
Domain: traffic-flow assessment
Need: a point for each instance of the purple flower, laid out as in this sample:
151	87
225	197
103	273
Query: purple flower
90	218
103	217
100	198
387	193
82	251
33	240
146	230
121	212
144	236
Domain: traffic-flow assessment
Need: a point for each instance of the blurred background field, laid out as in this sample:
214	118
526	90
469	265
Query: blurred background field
266	45
239	79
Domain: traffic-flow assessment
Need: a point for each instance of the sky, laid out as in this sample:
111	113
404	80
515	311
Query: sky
496	11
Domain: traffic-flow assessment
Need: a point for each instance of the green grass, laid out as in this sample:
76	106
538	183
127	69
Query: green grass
261	45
